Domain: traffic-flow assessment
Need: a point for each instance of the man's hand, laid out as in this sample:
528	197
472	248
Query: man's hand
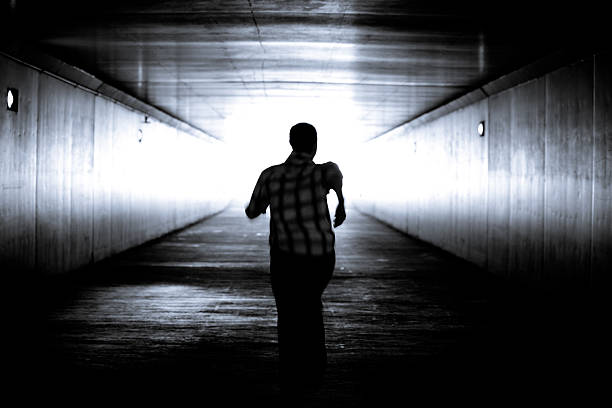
340	215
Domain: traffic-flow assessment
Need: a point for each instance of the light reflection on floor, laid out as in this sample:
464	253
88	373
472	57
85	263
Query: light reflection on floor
132	322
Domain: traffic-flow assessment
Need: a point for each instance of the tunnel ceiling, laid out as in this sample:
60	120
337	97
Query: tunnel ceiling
369	65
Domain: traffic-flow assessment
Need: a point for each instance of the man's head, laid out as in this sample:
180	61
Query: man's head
303	138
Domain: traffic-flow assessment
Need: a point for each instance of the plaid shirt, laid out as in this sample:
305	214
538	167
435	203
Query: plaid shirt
296	192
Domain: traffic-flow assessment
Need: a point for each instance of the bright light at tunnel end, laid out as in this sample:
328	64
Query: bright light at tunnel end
259	135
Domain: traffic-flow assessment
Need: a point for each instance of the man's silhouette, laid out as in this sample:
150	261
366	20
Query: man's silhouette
302	255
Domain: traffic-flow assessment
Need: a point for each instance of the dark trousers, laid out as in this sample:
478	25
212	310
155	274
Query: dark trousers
298	283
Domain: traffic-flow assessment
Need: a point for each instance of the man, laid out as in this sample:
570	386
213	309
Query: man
302	254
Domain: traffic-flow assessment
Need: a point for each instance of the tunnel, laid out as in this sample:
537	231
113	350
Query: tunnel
475	145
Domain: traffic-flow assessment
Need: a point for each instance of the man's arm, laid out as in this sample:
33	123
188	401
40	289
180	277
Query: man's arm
334	181
259	199
340	215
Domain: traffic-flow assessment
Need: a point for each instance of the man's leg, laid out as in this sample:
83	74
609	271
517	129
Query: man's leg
315	353
282	274
298	283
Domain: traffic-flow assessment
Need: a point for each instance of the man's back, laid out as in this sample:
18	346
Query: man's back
296	191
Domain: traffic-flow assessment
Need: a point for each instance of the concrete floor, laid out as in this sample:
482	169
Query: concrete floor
192	315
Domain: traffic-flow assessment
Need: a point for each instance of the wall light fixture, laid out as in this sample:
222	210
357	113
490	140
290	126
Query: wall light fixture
481	128
12	99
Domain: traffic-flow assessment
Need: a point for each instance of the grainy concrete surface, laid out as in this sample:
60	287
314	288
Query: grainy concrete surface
190	318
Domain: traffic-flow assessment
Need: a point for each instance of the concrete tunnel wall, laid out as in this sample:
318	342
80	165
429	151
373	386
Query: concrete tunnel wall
531	200
79	186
